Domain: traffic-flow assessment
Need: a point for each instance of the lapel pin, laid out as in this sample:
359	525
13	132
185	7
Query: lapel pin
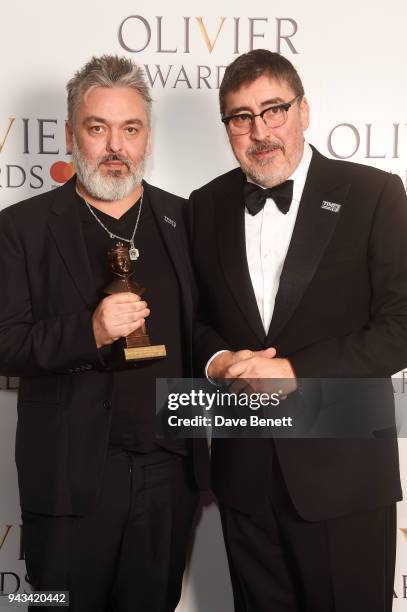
170	221
331	206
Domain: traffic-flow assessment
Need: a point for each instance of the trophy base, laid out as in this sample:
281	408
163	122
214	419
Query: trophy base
145	352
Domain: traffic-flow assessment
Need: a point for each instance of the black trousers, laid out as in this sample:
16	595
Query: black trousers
129	554
280	563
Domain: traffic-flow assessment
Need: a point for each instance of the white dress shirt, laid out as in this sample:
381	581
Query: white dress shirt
267	236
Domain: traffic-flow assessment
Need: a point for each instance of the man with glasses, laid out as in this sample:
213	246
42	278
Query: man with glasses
302	270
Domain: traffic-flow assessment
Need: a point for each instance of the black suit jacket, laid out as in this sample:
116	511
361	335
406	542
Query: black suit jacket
340	311
46	338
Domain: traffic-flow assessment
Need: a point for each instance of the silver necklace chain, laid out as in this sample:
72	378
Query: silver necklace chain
133	252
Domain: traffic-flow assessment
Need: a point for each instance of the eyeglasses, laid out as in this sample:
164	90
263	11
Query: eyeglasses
273	116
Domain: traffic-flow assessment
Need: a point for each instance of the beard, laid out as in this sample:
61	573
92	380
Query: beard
262	171
112	186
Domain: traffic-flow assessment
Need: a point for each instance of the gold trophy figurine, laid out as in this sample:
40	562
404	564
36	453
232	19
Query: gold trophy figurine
138	345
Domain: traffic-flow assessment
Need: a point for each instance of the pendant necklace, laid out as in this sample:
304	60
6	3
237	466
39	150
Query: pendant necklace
134	253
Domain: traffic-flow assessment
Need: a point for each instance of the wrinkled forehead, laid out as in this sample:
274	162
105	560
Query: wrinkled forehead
259	92
119	102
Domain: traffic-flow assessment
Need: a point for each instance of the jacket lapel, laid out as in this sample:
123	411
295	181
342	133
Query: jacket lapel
66	229
230	228
313	230
172	233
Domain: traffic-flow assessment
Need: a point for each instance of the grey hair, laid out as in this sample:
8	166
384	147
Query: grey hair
107	71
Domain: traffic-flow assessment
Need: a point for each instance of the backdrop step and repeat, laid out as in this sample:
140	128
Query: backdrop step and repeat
351	58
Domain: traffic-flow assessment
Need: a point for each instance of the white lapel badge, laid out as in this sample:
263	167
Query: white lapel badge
170	221
331	206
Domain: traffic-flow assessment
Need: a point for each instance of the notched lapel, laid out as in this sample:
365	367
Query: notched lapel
313	230
230	228
66	229
170	230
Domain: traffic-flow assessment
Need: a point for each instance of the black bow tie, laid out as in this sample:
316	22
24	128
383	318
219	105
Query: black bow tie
255	197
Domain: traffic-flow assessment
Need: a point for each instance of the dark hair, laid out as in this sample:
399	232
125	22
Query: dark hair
250	66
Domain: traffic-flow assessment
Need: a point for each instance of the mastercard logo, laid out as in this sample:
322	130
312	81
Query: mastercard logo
62	171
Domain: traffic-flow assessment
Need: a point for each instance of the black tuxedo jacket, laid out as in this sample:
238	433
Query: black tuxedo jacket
46	338
340	311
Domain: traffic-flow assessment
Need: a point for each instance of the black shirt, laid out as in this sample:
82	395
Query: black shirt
133	398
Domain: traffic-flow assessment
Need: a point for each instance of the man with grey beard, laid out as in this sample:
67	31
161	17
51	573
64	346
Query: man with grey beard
301	265
106	507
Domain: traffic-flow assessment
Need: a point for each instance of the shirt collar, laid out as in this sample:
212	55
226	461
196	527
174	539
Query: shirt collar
299	176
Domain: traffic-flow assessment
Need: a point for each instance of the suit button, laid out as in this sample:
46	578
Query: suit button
107	404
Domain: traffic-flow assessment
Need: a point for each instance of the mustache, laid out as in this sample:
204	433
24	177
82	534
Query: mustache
115	157
265	146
